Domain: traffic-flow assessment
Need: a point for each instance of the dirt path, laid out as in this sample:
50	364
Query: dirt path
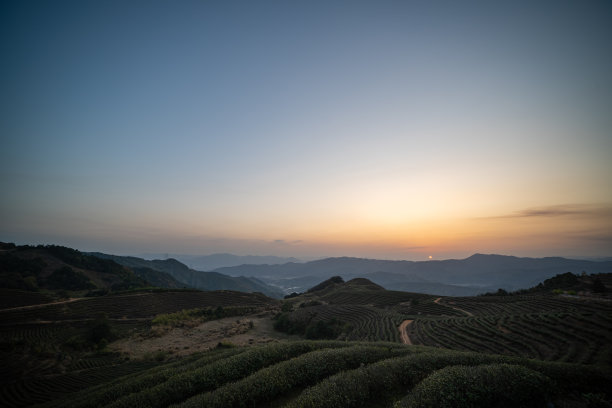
453	307
59	302
403	331
70	300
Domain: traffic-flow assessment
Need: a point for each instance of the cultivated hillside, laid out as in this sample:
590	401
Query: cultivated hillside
547	323
340	374
167	347
78	342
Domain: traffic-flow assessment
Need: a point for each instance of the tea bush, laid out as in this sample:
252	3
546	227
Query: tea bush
307	369
187	384
107	393
390	378
490	385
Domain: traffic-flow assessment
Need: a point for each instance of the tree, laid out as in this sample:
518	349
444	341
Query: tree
598	286
101	330
68	279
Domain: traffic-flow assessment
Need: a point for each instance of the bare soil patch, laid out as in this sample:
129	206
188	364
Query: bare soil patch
239	331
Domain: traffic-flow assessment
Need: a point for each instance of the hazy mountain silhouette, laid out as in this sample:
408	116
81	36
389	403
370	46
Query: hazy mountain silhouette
458	277
196	279
215	261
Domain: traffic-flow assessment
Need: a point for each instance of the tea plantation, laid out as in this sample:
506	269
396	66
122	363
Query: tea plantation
337	346
345	374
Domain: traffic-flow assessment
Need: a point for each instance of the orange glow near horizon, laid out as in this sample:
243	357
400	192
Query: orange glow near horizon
550	229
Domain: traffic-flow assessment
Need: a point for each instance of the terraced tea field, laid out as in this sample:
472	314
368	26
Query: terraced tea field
563	336
26	392
44	349
133	306
339	374
10	298
364	362
544	326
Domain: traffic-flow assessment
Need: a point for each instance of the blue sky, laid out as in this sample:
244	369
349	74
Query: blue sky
382	129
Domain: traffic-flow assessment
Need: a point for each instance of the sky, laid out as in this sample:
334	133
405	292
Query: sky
379	129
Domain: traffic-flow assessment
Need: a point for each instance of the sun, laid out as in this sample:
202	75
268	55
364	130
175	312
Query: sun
430	257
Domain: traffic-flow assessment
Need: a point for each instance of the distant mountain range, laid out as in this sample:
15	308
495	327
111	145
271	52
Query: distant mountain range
215	261
56	268
193	278
474	275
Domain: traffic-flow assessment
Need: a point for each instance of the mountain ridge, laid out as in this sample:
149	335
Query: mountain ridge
220	260
479	273
196	279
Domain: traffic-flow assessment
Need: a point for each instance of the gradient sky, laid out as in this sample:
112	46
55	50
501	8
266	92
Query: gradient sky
387	129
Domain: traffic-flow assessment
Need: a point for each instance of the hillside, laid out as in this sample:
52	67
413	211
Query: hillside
215	261
340	374
50	339
471	276
65	355
195	279
160	348
57	270
548	324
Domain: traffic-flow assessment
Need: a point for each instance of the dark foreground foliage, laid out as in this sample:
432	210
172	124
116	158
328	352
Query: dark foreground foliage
346	374
491	385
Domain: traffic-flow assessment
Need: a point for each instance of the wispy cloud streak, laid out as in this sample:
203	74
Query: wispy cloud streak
565	210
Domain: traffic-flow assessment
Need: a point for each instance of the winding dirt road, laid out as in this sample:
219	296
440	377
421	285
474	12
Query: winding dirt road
403	331
453	307
38	306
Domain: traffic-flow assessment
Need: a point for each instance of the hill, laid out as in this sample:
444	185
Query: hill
474	275
195	279
548	324
57	270
598	285
57	347
215	261
342	343
339	374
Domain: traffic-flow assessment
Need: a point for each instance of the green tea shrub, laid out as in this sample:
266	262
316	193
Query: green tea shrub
187	384
107	393
307	369
383	379
567	376
490	385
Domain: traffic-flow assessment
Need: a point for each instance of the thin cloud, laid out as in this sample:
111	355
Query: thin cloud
566	210
285	242
597	237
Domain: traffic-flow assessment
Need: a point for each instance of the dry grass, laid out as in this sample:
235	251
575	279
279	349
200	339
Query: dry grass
240	331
